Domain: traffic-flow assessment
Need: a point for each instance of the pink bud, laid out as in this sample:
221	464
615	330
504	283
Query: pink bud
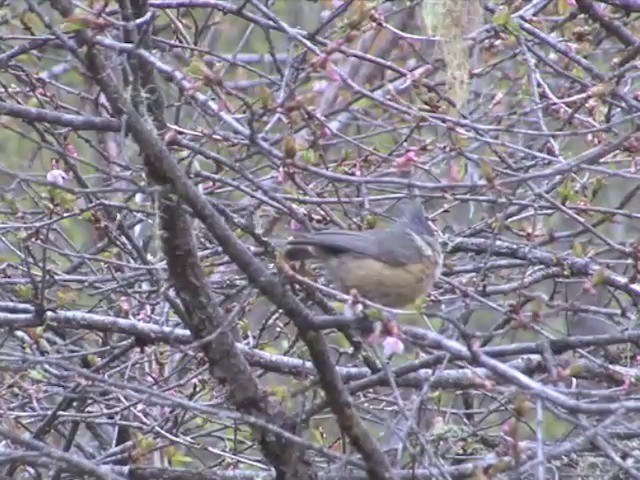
319	86
295	226
391	345
588	287
353	308
71	150
358	169
406	161
333	73
56	176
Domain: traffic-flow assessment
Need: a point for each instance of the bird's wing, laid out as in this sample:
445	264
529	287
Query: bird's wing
338	241
387	246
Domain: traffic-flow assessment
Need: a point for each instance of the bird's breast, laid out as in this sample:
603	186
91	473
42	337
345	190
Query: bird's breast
392	286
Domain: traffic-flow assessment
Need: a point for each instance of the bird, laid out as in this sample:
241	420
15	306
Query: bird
391	266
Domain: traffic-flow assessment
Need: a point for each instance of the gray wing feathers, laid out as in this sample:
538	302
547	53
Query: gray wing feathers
390	246
339	241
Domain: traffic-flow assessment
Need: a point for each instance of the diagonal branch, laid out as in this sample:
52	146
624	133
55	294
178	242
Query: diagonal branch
203	316
162	168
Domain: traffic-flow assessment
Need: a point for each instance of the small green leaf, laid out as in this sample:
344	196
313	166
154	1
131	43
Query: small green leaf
598	184
270	349
374	314
487	171
308	156
92	360
145	444
317	436
599	277
77	22
363	103
563	7
66	200
567	192
31	20
24	292
35	374
66	297
197	68
503	18
342	341
108	254
338	307
245	328
180	460
578	250
281	392
370	221
420	303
